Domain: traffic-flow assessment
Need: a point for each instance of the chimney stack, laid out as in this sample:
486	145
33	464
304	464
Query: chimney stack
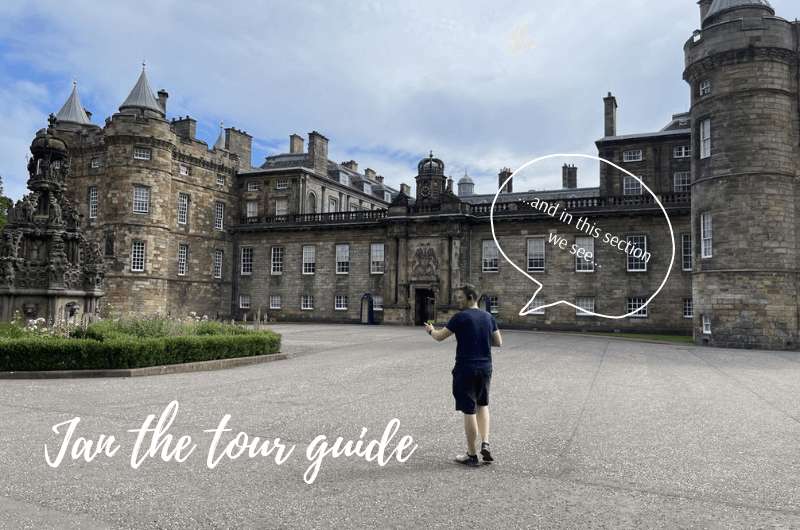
705	5
405	189
610	115
370	173
379	178
296	144
569	176
162	99
185	127
352	165
450	184
318	152
501	177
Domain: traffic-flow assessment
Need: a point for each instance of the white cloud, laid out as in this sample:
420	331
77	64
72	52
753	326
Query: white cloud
485	85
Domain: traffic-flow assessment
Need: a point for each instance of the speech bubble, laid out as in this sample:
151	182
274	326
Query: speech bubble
527	310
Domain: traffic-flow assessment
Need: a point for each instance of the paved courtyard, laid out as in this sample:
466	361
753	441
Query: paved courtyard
587	432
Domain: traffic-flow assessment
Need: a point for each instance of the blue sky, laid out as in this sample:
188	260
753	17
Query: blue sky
484	85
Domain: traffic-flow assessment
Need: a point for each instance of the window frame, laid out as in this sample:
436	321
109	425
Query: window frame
281	183
377	302
142	153
219	216
253	185
636	303
342	266
684	186
705	141
217	263
309	262
246	255
688	303
706	324
242	299
93	202
146	201
580	311
532	256
704	88
247	206
307	306
706	236
94	162
633	158
272	299
133	259
490	264
285	209
183	170
183	259
377	266
686	252
682	151
631	259
183	208
626	180
276	260
337	306
580	260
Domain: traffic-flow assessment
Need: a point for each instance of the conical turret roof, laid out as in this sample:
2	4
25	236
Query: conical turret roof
220	143
141	96
72	111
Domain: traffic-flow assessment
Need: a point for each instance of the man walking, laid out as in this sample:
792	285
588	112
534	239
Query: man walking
476	332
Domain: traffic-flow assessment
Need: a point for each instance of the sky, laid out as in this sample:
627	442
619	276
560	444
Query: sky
484	85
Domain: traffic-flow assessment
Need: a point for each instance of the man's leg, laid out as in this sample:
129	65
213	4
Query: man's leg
483	423
471	431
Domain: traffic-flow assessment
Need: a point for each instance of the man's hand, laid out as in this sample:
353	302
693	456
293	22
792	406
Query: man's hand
429	328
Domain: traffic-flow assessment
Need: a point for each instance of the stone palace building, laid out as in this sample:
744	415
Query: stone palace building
189	227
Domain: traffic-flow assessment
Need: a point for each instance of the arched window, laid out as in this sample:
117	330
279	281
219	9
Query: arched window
312	203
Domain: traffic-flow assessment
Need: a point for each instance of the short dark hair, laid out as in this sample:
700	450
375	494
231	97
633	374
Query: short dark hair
469	292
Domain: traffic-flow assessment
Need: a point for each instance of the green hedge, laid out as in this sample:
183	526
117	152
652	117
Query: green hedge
114	350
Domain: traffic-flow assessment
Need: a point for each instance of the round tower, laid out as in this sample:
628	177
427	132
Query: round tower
137	182
742	68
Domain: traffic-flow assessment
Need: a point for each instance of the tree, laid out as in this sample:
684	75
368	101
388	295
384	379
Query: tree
5	205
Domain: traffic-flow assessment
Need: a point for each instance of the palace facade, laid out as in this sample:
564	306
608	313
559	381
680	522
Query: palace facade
185	226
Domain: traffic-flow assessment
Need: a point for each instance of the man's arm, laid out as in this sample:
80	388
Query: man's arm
440	334
497	340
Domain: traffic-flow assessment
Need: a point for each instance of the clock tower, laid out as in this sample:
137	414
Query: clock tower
431	181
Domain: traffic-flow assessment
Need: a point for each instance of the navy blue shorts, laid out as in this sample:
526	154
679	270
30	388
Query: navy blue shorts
471	388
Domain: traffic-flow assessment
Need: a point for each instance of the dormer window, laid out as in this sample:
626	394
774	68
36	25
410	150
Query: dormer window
344	178
387	196
367	188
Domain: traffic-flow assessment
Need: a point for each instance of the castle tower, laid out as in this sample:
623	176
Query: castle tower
137	181
742	68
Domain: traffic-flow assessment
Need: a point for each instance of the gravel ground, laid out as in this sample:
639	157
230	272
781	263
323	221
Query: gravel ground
588	432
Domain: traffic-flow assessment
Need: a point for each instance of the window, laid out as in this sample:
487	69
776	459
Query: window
253	185
581	263
94	163
686	252
307	302
247	261
585	306
183	259
636	304
141	153
342	259
92	202
281	184
387	196
333	204
219	215
220	179
493	304
681	181
688	308
340	303
682	151
377	264
309	259
704	88
183	169
275	301
367	188
536	254
281	207
631	186
705	235
490	256
344	178
137	256
706	325
251	208
277	260
634	155
109	250
183	208
244	301
217	263
637	264
141	199
377	302
705	138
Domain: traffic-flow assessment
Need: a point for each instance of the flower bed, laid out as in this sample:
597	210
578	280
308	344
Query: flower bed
127	343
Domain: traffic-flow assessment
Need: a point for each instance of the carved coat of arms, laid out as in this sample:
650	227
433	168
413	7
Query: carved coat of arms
425	262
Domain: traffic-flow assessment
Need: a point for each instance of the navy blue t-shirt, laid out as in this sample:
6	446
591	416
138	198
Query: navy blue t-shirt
473	329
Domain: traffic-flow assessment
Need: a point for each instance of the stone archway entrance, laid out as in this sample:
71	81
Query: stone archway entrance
424	306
